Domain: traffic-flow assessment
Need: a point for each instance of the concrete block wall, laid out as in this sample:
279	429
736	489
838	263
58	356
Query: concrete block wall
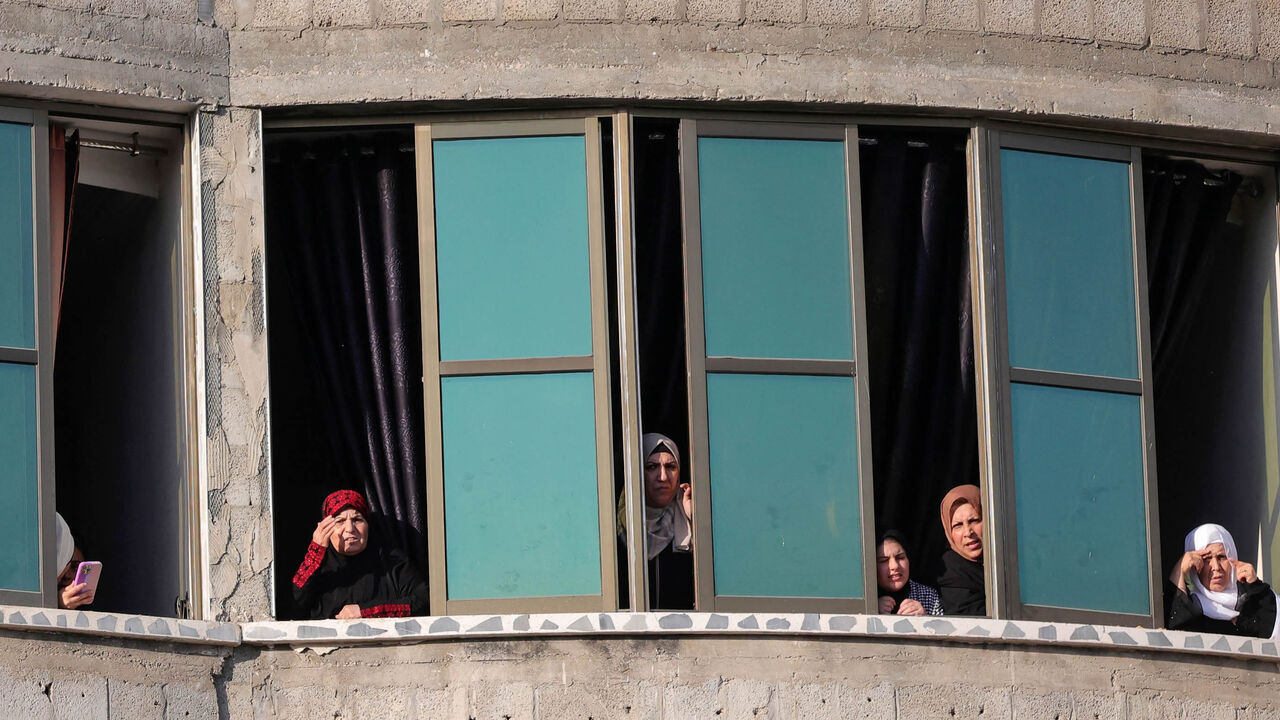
156	50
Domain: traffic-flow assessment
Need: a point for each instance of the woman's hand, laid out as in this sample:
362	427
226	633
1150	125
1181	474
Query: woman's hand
73	596
887	604
910	607
349	612
686	499
324	529
1191	562
1244	572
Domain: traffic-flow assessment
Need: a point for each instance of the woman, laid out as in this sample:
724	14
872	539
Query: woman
71	595
962	585
1224	595
668	507
345	575
899	594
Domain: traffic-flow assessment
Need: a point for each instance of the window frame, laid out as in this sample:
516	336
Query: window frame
699	364
996	374
426	131
41	357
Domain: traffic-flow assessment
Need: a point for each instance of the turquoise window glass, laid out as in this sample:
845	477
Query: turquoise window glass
775	248
784	486
19	481
512	247
1068	247
17	281
522	516
1082	531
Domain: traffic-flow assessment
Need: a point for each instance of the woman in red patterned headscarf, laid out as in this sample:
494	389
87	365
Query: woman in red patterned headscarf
346	576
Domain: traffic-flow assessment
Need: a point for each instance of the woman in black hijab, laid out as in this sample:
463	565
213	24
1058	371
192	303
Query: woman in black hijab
962	585
344	575
899	594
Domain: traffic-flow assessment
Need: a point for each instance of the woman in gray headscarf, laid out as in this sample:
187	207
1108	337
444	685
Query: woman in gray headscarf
668	509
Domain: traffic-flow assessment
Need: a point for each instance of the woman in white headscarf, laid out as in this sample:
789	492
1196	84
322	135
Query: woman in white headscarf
1214	591
668	507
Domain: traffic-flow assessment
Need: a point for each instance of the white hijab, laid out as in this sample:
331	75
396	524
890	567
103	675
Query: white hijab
669	525
1220	604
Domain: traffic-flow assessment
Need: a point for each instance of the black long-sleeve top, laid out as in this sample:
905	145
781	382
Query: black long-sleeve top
383	582
1257	612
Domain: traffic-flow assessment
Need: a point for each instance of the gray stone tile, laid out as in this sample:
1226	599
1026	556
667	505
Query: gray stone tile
444	624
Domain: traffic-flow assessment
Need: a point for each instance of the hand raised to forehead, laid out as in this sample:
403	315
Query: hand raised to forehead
323	530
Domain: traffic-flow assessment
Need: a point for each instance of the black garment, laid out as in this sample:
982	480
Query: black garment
382	581
1257	612
962	586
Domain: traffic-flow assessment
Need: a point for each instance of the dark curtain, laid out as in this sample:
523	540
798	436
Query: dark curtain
64	173
920	333
1186	209
346	362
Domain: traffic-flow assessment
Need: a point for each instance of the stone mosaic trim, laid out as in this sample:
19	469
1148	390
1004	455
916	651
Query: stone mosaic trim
381	630
119	625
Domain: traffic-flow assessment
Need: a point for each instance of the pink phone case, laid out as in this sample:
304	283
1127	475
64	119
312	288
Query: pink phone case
88	572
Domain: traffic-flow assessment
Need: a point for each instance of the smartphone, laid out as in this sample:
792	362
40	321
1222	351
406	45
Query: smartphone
88	572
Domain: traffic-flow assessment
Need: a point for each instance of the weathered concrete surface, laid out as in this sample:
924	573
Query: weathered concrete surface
237	499
122	50
84	677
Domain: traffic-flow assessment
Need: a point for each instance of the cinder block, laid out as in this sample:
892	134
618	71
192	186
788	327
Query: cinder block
341	13
647	10
123	8
1230	27
692	701
954	701
895	13
837	12
812	701
80	698
746	699
1196	710
1066	19
183	701
1123	21
951	14
591	9
530	9
176	10
501	701
1176	24
23	697
868	703
136	701
575	700
408	12
780	11
282	13
1269	30
713	10
467	10
1095	706
1014	17
1054	706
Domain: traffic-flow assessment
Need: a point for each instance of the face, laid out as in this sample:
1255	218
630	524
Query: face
661	478
1215	573
892	567
350	533
966	532
69	572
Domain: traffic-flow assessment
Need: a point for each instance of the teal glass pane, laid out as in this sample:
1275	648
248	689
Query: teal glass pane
17	282
1077	467
1068	251
784	486
775	248
522	516
512	247
19	480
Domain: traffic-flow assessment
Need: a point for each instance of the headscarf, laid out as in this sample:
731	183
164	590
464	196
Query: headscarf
958	495
66	544
340	499
1216	604
669	525
905	591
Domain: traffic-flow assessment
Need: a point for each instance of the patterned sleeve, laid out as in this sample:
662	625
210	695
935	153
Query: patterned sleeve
926	596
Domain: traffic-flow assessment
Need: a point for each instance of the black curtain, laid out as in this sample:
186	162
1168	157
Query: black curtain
346	362
1186	209
920	333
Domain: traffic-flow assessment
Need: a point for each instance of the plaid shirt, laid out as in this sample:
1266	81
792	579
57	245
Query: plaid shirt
926	596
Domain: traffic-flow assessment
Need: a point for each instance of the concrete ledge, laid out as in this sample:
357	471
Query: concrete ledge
965	630
118	625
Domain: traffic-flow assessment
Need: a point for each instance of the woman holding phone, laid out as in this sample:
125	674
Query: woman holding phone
346	574
71	594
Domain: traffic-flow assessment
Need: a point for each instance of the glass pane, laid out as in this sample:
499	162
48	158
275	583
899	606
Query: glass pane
784	486
1077	467
1068	246
522	517
512	247
17	287
19	481
775	248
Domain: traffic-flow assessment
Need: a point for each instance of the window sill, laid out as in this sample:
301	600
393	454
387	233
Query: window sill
385	631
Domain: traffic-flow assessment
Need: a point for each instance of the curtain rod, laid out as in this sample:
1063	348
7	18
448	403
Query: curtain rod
133	148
